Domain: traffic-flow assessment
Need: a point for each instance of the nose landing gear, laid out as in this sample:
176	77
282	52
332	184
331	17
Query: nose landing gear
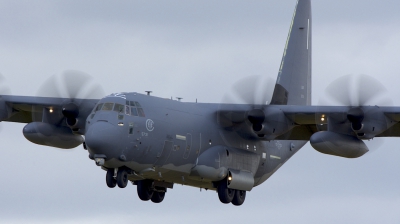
110	180
120	178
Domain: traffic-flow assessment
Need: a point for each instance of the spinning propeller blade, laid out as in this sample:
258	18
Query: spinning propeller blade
75	86
254	89
356	91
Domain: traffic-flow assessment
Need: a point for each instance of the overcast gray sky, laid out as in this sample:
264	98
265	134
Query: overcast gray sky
193	49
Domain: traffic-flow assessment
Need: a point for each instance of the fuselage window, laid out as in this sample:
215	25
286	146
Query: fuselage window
134	111
99	106
119	108
108	106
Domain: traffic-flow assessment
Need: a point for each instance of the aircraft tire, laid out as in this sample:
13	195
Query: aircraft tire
144	190
157	197
239	197
122	178
110	180
225	194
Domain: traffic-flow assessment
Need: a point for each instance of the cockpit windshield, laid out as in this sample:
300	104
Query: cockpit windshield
107	106
99	106
132	108
119	108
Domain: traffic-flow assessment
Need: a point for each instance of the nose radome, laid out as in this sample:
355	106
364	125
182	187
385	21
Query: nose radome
103	138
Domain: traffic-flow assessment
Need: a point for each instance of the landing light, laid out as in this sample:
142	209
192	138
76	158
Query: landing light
51	110
229	178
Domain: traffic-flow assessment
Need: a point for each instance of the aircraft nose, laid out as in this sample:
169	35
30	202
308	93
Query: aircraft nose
103	138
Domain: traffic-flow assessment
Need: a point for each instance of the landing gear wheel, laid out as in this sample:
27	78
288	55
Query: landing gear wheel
110	180
122	178
225	194
144	190
158	197
239	197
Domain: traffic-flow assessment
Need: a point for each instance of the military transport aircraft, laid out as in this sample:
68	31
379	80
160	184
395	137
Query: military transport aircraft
155	142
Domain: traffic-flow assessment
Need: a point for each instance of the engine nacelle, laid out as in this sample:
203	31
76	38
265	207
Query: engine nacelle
270	122
51	135
367	122
338	144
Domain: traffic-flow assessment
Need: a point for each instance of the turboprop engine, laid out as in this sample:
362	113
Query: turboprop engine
270	122
338	144
51	135
367	122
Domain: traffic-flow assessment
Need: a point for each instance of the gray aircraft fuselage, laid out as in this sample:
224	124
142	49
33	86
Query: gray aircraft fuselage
165	144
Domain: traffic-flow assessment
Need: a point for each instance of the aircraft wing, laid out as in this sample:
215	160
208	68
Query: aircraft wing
292	122
26	109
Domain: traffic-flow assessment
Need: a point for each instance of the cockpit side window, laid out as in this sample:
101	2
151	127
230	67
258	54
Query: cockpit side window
99	106
134	111
140	112
108	106
119	108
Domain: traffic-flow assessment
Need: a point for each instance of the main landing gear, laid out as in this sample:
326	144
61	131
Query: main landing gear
145	188
147	191
227	195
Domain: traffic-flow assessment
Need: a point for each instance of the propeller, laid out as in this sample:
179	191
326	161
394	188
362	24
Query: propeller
75	87
4	90
251	92
255	90
355	91
71	84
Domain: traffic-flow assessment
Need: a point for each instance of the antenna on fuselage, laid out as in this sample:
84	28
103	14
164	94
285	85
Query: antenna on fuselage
148	92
